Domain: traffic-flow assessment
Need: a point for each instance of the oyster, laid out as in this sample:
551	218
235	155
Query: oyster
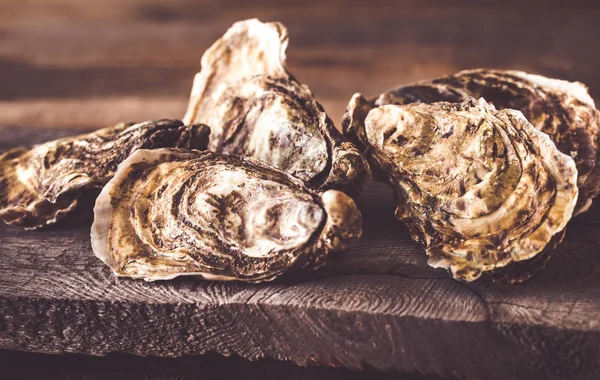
563	110
41	185
169	212
478	187
256	108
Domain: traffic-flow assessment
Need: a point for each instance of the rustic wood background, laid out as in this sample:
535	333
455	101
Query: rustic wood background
27	366
69	65
92	63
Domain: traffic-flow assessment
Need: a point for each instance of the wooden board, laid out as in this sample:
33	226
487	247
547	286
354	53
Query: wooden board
68	65
87	63
377	305
33	366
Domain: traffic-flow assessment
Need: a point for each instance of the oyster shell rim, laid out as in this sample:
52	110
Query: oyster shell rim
354	126
330	236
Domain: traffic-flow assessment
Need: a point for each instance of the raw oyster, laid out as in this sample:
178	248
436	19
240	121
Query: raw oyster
41	185
169	212
256	108
479	188
563	110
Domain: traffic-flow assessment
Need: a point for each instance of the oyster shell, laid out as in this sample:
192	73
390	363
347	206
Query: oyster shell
478	187
41	185
169	212
563	110
256	108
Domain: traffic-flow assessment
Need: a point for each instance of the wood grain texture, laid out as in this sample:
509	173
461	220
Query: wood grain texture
377	305
32	366
74	63
67	66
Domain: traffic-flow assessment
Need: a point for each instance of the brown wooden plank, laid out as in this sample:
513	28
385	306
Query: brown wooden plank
71	63
82	65
178	10
88	113
30	366
377	305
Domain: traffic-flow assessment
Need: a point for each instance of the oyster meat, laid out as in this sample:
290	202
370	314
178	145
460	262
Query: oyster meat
563	110
170	212
42	184
256	108
480	188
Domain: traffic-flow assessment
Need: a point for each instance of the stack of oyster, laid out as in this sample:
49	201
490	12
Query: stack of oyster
487	166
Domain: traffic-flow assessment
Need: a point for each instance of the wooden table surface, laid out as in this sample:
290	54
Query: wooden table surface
68	65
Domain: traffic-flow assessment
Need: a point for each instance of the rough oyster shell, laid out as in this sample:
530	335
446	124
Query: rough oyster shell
563	110
479	188
169	212
256	108
42	184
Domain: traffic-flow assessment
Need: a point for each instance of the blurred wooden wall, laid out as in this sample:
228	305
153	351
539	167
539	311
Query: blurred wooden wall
88	64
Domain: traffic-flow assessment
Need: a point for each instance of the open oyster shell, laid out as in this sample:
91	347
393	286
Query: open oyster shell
256	108
563	110
42	184
479	188
169	212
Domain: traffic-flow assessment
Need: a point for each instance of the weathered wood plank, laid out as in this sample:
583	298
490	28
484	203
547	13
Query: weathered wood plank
82	65
377	305
24	365
134	61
